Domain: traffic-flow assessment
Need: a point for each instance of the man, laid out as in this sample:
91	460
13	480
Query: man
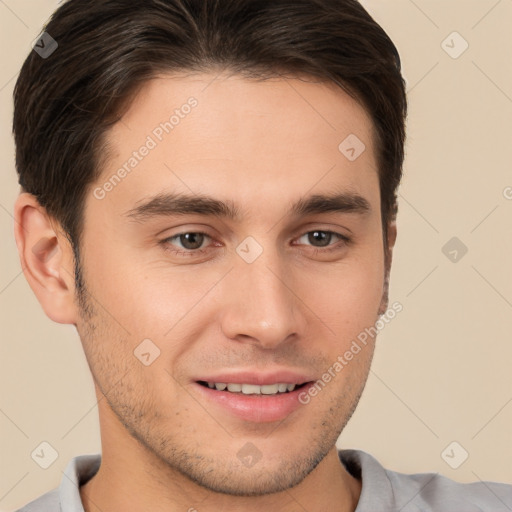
209	196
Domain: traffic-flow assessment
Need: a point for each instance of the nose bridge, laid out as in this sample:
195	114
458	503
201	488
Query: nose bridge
261	307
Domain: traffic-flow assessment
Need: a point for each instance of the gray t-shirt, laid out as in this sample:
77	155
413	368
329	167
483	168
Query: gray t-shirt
383	490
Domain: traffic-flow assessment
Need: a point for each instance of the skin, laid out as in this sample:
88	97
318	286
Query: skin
263	145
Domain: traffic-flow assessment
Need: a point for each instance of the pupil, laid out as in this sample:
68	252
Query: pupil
191	240
320	236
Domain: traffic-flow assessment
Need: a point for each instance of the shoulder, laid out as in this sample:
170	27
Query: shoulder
48	502
432	491
423	492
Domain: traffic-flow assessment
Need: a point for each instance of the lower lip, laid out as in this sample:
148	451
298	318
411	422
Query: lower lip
255	408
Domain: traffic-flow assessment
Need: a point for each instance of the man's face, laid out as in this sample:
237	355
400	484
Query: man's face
271	296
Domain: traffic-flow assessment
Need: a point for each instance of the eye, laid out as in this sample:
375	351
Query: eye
193	243
319	239
190	241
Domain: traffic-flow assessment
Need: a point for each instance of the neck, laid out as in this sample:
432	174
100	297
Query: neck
133	478
124	486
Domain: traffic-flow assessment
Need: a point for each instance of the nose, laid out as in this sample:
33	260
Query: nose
260	305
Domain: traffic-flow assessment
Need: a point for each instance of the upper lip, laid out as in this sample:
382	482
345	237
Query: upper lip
258	377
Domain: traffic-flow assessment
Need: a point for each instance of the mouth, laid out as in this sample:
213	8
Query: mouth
261	400
279	388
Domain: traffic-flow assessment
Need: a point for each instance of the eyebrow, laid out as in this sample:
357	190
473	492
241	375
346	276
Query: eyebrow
169	204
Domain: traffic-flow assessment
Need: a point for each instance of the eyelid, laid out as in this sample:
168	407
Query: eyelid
166	242
341	244
339	235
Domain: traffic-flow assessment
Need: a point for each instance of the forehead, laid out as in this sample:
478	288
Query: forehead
230	134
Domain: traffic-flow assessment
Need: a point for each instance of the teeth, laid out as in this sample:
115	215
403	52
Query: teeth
253	389
270	389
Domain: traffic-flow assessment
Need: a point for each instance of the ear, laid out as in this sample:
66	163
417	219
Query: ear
388	258
46	257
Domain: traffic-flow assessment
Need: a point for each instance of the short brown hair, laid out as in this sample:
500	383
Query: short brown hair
107	49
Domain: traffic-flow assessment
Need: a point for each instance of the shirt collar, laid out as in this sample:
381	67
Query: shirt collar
376	490
78	471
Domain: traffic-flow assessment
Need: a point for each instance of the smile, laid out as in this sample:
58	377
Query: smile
252	389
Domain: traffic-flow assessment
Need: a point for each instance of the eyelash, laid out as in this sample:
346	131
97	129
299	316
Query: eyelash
194	252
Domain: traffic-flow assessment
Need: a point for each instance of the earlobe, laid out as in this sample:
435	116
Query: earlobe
392	233
46	259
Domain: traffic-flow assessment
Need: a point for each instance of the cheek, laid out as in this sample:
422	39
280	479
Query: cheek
347	297
146	298
173	305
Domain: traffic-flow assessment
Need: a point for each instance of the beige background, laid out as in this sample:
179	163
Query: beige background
441	371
